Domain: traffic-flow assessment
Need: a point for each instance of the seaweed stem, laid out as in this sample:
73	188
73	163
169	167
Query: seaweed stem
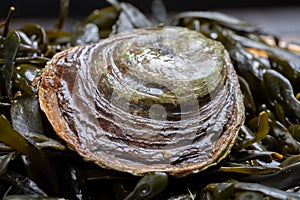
64	7
7	21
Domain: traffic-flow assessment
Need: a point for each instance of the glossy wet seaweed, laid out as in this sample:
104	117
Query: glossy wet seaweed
36	164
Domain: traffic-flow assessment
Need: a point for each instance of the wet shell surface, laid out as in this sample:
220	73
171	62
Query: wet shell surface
152	99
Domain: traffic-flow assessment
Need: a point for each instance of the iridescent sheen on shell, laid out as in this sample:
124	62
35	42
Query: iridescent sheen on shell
152	99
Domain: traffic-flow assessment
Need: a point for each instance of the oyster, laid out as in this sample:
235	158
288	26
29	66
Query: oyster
150	99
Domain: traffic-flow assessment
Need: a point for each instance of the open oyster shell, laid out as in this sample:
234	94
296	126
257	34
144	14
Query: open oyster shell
153	99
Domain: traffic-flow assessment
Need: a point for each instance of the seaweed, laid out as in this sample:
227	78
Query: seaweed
264	162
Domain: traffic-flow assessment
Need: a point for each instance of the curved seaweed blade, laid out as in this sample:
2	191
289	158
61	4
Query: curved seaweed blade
263	129
64	8
29	197
26	116
11	47
287	177
130	17
149	186
280	90
282	60
39	161
218	17
22	183
26	119
230	187
4	161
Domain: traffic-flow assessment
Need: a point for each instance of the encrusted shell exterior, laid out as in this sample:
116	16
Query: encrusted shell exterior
153	99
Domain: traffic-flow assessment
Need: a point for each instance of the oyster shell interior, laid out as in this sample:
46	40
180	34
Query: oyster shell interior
152	99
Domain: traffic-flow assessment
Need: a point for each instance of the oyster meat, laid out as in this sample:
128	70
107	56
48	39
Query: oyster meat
150	99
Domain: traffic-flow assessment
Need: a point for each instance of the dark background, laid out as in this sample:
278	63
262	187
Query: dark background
79	8
280	17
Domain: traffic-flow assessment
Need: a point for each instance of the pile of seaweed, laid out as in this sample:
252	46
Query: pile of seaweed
263	164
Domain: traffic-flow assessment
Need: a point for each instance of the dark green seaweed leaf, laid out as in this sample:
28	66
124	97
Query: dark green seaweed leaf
11	47
64	8
23	184
285	140
130	17
248	169
7	21
288	65
23	77
37	33
149	186
223	190
218	17
249	195
26	116
34	164
29	197
104	18
4	161
245	133
263	129
285	62
4	147
295	131
26	119
37	61
248	97
38	160
281	91
287	177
